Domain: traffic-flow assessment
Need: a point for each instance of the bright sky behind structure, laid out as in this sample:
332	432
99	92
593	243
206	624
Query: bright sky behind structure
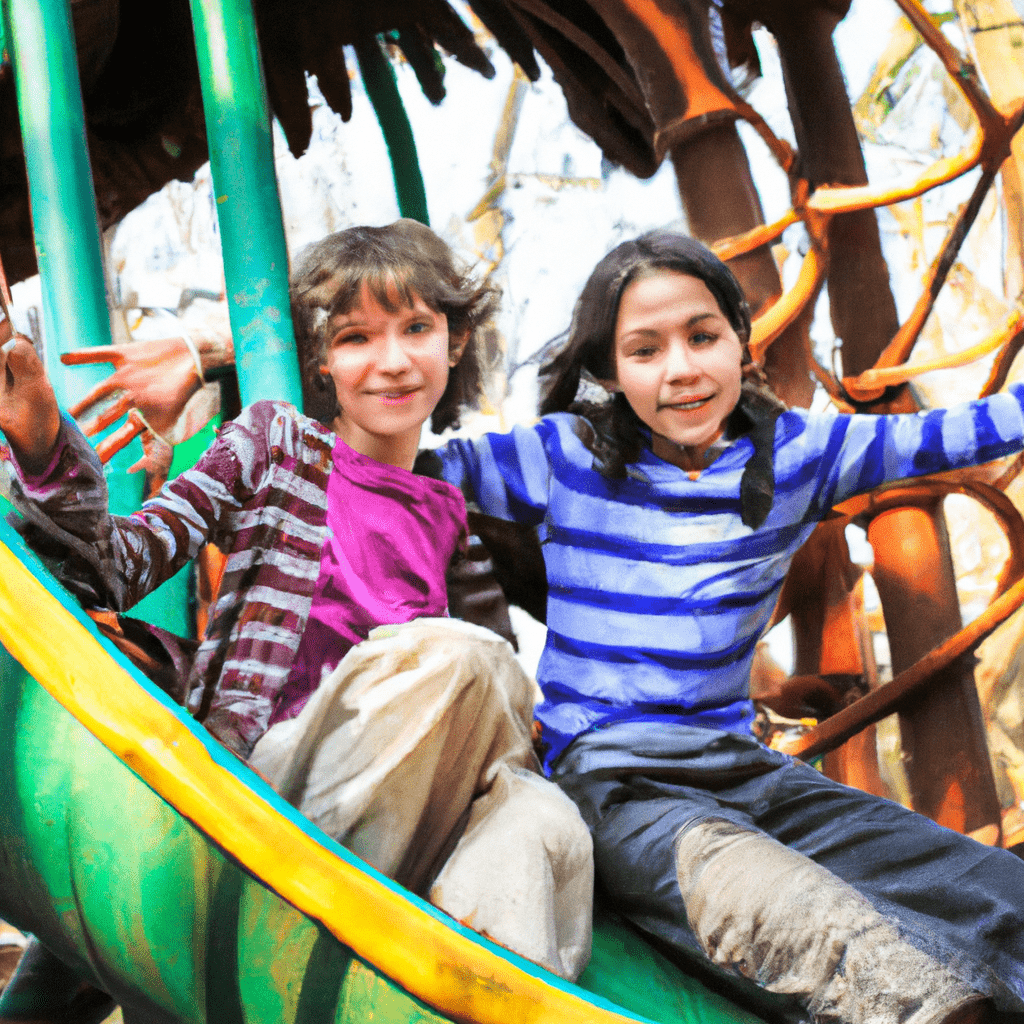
562	211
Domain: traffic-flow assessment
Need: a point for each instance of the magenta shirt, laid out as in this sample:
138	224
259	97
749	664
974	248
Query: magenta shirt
390	537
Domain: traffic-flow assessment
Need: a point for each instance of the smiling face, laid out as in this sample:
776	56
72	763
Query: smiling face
678	362
389	371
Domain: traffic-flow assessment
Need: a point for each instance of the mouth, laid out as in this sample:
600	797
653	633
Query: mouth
397	397
687	405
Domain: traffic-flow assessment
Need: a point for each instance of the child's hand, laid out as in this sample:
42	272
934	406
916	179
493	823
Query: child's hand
157	385
155	377
29	414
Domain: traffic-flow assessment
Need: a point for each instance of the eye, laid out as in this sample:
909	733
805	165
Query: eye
703	338
419	327
349	338
642	345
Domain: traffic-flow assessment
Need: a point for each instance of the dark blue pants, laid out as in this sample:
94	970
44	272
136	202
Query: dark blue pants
639	786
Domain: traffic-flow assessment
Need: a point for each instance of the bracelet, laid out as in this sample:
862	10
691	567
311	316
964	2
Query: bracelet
191	346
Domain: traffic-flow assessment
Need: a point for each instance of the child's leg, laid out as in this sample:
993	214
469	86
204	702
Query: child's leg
395	744
773	915
418	723
715	829
762	912
525	849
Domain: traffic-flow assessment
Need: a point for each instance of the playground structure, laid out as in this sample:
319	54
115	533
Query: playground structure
654	67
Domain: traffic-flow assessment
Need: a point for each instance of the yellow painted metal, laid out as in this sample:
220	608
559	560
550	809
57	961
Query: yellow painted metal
462	977
884	376
770	325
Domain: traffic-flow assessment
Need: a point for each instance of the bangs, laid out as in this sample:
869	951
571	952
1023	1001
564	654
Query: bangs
389	287
392	286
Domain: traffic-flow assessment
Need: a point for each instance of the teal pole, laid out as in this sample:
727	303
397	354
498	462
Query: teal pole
41	44
248	205
382	89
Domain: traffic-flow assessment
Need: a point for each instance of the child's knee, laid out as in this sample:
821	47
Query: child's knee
546	818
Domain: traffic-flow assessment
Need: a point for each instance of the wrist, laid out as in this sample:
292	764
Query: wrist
216	352
34	459
208	327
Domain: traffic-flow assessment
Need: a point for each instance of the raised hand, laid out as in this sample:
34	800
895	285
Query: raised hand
157	378
157	385
29	414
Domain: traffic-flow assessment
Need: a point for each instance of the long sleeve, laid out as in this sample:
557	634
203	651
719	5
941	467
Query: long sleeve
508	476
259	494
132	555
857	453
658	592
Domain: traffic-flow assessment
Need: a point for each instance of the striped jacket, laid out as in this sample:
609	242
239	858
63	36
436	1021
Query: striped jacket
260	495
658	593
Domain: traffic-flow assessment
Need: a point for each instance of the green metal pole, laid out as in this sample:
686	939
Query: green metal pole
41	44
382	89
248	205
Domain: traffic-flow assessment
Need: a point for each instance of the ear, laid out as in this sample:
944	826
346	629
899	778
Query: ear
456	346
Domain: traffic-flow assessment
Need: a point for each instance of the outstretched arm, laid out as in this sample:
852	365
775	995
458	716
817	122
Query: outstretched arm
29	415
506	476
858	453
129	556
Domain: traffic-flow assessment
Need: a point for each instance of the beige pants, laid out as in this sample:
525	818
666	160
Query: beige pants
415	754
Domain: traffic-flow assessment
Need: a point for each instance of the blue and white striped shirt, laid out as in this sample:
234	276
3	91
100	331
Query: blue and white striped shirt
658	593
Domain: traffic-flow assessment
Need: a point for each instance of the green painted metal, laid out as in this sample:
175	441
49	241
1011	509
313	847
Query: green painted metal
172	605
136	899
142	904
67	238
248	206
382	88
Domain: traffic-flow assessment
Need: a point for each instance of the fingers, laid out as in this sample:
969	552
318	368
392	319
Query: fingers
85	356
120	438
104	389
157	454
107	417
96	354
156	458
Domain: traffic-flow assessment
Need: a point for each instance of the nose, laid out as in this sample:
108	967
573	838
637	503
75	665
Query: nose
679	362
394	358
